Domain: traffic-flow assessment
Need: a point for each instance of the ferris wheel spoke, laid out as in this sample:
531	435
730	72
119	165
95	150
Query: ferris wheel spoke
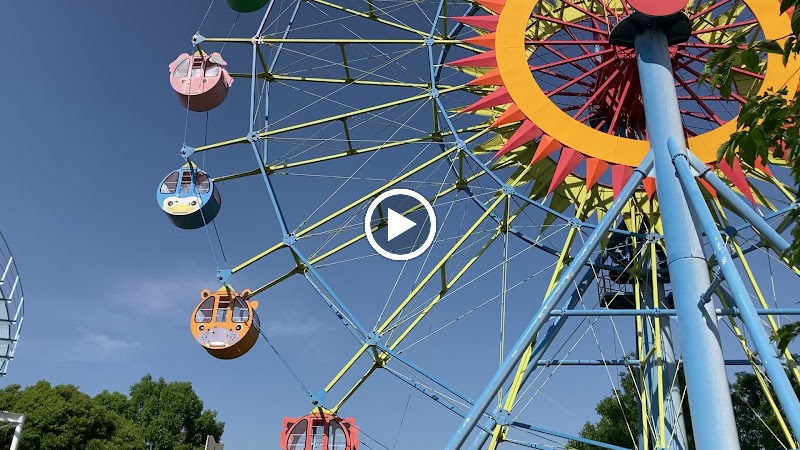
269	133
744	23
374	18
699	101
291	78
599	92
588	13
734	69
570	60
566	23
709	9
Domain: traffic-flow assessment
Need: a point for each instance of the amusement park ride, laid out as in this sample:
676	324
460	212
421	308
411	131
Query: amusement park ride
545	114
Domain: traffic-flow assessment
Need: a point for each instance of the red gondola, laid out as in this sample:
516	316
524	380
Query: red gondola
319	431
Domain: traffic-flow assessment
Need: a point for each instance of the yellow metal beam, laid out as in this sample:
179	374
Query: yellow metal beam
581	212
266	134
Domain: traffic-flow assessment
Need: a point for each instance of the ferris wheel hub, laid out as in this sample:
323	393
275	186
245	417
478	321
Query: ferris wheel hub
677	27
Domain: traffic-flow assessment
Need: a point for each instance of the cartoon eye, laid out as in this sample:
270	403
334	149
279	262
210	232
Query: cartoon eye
194	203
169	203
201	327
238	327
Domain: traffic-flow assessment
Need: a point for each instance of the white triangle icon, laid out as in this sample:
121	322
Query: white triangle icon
398	224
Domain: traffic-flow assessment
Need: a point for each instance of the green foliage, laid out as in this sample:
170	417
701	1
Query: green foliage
171	415
168	415
767	122
755	420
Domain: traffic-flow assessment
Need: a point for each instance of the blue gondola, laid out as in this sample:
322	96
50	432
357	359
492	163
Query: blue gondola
189	197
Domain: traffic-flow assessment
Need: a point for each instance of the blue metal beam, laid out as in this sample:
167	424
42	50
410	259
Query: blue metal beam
766	350
561	287
667	312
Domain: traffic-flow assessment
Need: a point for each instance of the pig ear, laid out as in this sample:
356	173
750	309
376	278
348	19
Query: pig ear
205	293
180	58
217	58
253	304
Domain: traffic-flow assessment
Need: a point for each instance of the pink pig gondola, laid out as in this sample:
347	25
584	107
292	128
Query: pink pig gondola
200	80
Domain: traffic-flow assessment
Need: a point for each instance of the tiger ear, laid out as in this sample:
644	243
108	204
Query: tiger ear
253	304
205	293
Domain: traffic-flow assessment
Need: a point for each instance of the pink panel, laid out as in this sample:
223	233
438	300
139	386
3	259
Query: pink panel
486	59
496	98
485	22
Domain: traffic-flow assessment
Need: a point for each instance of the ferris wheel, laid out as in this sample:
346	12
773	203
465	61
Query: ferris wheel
583	220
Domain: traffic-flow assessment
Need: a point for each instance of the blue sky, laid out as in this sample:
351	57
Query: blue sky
90	127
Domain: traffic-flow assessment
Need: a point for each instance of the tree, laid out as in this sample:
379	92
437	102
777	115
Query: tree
59	417
171	415
168	415
757	424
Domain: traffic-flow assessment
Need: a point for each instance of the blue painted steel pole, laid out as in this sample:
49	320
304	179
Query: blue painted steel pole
563	284
709	397
738	205
766	351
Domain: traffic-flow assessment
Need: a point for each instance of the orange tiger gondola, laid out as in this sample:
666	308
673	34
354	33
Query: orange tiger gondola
225	323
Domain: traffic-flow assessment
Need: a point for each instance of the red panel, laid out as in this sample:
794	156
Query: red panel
526	132
547	145
490	78
567	163
484	40
594	170
494	6
619	176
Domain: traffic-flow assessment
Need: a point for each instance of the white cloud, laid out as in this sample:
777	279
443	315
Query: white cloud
106	344
89	346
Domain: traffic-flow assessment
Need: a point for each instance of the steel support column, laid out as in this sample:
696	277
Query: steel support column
709	397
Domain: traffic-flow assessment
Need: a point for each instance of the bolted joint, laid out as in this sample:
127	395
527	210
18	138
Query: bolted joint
433	92
223	275
428	41
253	136
652	238
318	399
795	206
461	145
373	338
731	232
198	39
575	223
502	417
187	151
289	240
507	189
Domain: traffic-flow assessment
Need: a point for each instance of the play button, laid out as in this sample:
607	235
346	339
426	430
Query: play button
400	224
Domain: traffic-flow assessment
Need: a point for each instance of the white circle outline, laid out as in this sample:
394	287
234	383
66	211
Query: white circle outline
431	232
